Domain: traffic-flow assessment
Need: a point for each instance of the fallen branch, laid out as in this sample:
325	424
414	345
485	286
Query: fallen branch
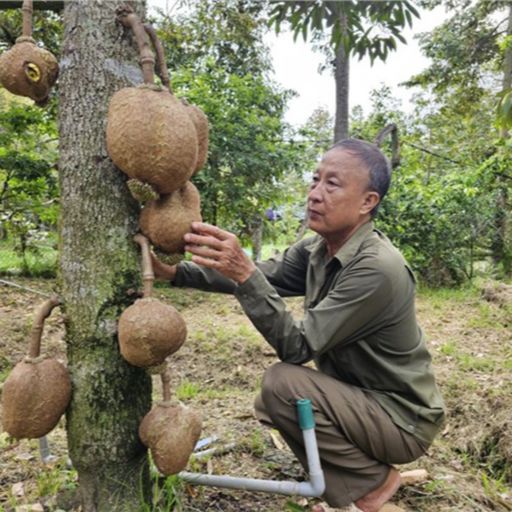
413	477
31	290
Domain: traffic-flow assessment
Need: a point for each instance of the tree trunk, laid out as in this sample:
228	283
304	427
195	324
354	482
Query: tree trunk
99	263
341	76
257	238
502	254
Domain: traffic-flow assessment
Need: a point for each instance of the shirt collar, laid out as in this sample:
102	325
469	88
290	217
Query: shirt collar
347	251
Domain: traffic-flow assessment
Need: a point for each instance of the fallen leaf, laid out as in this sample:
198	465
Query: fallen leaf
18	489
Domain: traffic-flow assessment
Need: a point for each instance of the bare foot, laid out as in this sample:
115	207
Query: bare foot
375	499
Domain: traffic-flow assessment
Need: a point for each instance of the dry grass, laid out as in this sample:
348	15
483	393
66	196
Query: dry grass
218	371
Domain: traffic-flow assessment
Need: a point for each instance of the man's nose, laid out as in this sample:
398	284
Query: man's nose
315	193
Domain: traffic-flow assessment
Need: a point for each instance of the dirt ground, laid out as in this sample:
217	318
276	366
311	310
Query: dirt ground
218	372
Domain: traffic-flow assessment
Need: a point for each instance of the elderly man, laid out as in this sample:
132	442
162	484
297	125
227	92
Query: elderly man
374	395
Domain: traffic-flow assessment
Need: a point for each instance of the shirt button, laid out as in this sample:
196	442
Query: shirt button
411	428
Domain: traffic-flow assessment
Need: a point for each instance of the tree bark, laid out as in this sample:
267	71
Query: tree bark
341	76
99	263
392	129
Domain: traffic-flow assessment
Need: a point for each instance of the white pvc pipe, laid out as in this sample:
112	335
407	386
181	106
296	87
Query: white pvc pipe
313	488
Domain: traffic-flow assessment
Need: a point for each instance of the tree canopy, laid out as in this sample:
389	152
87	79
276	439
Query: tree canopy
363	28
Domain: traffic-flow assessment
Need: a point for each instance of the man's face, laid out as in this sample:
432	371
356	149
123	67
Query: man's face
339	199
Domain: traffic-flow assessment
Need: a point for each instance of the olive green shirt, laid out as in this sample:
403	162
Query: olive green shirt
359	323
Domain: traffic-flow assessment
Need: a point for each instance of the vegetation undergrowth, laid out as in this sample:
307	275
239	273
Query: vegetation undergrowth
36	262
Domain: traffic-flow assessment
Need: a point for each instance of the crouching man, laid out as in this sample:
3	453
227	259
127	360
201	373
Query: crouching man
373	392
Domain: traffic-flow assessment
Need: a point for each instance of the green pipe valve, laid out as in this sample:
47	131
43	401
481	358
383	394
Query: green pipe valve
306	418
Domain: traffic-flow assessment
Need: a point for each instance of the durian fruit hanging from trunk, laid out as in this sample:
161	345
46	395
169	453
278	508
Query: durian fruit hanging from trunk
27	69
150	135
196	114
202	129
149	330
166	220
170	430
38	389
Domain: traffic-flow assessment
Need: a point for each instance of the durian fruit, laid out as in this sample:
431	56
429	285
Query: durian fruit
38	390
171	431
166	220
26	69
202	129
148	330
150	135
196	114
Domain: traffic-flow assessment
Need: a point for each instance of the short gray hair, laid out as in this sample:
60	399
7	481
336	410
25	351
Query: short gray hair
377	164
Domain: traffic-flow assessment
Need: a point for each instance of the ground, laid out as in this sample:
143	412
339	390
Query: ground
218	372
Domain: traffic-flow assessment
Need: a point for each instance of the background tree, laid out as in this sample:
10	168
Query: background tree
228	33
439	208
356	28
222	65
29	205
471	61
28	175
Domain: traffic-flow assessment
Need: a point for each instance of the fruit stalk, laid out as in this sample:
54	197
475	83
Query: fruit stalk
148	275
27	10
37	327
165	377
129	19
161	67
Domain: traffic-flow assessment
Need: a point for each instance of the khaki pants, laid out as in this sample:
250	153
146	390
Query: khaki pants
357	439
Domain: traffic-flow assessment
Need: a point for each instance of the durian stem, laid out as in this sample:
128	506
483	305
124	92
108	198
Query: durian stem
27	10
129	19
161	67
37	327
147	268
165	377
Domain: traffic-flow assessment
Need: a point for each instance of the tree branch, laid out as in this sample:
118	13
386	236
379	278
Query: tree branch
40	5
433	153
395	143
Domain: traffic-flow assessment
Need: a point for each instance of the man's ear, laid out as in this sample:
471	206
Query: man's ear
371	200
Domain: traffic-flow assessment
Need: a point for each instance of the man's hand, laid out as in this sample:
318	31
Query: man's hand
161	269
220	250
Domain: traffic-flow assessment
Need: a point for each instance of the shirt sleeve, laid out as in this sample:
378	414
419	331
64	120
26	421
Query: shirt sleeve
190	275
287	274
351	310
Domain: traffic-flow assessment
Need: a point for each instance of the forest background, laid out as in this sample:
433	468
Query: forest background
449	206
449	209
